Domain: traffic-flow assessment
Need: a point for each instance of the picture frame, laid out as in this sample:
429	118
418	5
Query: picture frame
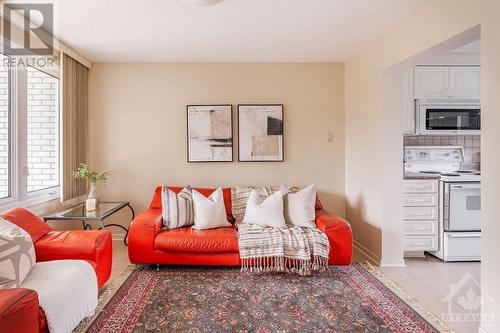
209	133
261	133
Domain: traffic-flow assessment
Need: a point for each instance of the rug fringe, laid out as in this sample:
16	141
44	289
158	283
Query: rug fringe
431	318
303	267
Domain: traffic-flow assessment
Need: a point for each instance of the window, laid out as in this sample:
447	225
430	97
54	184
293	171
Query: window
4	128
42	130
29	135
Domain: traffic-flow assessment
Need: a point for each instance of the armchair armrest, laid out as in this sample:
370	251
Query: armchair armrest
95	246
339	235
19	311
142	234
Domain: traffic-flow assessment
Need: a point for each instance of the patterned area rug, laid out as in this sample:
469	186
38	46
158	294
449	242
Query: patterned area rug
353	298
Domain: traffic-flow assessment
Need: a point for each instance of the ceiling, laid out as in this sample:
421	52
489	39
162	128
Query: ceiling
229	31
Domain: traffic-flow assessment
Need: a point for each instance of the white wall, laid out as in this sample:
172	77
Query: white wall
137	121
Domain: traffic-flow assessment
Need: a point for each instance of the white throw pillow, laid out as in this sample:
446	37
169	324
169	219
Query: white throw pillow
17	256
239	198
265	213
209	212
299	206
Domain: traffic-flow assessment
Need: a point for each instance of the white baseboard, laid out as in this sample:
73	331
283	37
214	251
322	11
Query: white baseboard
372	257
392	265
414	254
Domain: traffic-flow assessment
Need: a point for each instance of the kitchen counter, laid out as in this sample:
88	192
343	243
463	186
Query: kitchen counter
418	175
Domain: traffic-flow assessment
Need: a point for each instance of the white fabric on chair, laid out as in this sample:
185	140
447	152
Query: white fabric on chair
67	291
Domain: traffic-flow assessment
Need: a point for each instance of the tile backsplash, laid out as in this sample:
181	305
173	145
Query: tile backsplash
471	144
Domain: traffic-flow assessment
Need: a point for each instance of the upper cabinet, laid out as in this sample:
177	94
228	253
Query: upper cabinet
447	82
431	82
465	82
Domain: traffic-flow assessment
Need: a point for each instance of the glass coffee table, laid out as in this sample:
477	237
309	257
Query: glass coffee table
79	213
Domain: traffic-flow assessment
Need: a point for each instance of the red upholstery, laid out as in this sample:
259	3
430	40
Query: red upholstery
339	235
19	311
27	221
93	246
148	244
220	240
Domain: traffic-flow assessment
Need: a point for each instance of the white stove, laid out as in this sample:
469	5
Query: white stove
459	199
445	161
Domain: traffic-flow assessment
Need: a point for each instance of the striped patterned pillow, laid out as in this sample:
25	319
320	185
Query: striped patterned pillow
177	208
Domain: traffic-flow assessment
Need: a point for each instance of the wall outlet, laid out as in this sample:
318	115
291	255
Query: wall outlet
329	137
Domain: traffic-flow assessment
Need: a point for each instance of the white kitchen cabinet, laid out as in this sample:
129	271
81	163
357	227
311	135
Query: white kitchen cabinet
465	82
420	186
447	82
431	82
420	214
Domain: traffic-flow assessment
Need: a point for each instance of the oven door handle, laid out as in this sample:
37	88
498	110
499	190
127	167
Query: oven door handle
464	236
465	186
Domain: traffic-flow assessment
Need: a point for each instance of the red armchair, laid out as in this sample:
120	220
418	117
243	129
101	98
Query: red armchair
148	244
17	306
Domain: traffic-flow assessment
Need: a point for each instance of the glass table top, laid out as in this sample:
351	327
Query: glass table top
79	212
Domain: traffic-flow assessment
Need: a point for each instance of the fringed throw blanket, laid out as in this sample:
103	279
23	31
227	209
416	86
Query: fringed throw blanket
297	250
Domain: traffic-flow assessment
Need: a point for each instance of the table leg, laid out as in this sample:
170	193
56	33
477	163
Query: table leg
119	226
86	226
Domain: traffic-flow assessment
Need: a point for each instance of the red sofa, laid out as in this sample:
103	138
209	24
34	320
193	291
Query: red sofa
19	309
148	244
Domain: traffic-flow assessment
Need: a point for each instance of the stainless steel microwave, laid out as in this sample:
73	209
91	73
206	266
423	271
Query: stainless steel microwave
449	117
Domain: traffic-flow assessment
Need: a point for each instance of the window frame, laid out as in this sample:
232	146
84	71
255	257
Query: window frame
19	196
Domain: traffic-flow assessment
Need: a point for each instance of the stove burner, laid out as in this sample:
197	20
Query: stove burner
465	171
432	172
450	174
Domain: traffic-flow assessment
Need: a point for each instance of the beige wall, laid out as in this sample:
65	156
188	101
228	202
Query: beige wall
368	189
137	121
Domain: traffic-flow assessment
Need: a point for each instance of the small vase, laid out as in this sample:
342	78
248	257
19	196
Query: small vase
93	194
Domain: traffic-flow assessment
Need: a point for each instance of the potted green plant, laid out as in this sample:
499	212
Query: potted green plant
92	177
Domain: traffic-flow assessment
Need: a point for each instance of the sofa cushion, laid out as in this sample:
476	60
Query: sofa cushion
156	201
187	239
27	221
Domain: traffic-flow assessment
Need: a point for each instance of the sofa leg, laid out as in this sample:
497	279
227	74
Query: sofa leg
157	267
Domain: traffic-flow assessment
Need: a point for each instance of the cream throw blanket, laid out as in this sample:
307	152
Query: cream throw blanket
297	250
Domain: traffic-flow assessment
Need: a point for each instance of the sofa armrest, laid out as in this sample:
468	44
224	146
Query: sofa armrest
339	235
91	245
142	234
19	311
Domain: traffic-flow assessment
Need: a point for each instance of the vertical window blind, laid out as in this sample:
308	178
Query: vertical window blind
74	125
